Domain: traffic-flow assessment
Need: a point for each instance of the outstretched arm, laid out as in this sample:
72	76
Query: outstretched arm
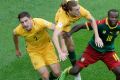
56	35
98	40
52	27
75	29
15	39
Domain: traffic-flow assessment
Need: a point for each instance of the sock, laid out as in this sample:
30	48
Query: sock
52	76
72	57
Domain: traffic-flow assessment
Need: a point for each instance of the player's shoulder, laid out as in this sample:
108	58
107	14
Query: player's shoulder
38	19
103	21
82	8
84	11
19	27
18	30
61	12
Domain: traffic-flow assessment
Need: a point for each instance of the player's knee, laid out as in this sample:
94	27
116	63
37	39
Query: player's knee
117	71
45	75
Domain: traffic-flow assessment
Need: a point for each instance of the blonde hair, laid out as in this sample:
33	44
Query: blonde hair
68	4
65	1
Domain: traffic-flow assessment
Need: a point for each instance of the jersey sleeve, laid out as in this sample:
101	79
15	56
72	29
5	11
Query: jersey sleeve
18	30
85	13
43	23
47	24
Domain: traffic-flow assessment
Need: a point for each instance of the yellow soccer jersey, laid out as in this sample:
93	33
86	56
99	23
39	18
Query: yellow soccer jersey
38	37
63	20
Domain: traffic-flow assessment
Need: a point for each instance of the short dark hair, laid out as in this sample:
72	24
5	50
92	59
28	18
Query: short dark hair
23	14
113	10
68	6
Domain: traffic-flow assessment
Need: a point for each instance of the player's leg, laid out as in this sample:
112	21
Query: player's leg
89	56
71	51
112	61
63	45
116	71
39	64
55	68
70	48
44	73
51	60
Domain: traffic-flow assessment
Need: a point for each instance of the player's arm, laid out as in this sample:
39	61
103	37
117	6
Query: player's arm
52	27
91	19
16	42
45	24
94	26
98	40
75	29
56	36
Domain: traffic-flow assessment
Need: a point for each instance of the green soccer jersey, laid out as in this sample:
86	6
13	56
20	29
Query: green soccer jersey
107	34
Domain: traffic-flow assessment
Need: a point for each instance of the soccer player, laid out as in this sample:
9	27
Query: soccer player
38	44
108	29
69	12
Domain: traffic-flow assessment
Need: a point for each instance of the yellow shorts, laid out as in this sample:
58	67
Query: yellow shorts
44	58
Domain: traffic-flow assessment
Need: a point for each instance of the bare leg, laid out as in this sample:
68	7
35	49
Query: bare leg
44	73
116	71
56	71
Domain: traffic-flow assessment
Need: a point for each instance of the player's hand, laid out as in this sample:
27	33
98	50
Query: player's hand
63	56
99	42
18	53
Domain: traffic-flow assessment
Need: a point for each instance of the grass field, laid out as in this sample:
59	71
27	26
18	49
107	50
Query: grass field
12	68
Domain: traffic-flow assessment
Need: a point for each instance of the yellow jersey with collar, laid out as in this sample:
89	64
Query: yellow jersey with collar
64	20
38	37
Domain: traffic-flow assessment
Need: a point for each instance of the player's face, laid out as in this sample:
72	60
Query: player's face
75	12
113	19
26	23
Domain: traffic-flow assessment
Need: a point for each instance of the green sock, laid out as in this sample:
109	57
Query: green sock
72	57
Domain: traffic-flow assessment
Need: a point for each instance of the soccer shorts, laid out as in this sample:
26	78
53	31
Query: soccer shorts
44	58
91	56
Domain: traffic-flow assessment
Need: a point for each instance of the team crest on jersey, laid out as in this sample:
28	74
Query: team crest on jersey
104	31
60	24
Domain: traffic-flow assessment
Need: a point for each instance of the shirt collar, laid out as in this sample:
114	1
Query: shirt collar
109	25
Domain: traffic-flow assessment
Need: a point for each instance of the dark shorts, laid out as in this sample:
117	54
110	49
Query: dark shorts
91	56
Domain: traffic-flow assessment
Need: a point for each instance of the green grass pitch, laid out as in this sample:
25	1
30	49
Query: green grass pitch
12	68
